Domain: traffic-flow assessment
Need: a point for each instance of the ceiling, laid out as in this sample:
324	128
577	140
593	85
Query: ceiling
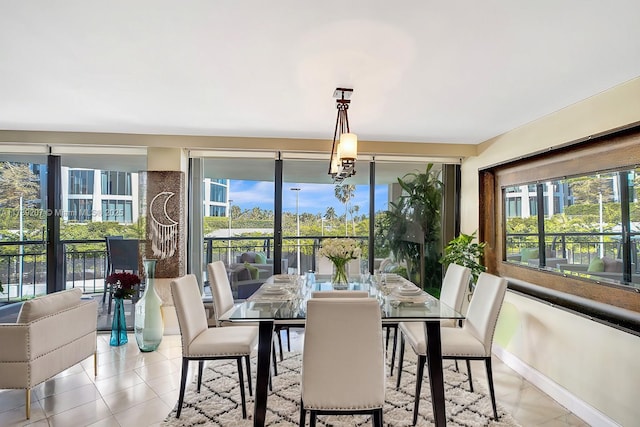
422	70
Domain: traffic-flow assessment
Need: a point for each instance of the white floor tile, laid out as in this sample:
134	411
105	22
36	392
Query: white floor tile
140	389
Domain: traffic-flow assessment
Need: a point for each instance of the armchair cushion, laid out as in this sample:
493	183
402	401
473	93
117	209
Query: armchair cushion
260	258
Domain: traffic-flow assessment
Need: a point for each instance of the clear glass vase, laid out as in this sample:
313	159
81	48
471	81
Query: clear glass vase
149	325
340	277
118	324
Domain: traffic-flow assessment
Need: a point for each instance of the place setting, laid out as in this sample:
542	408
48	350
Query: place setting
409	293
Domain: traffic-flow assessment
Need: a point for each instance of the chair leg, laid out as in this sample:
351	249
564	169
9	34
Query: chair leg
469	373
183	383
247	359
280	344
395	344
241	382
273	357
200	368
312	418
377	418
386	340
303	414
27	396
95	363
400	361
492	392
419	377
288	339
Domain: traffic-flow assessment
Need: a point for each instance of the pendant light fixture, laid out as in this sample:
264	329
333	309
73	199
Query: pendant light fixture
344	150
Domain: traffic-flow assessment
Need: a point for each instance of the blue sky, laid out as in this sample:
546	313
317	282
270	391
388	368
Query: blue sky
313	198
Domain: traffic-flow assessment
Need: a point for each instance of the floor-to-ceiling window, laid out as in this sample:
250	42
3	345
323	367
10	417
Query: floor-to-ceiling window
257	198
98	196
22	226
239	214
408	222
315	208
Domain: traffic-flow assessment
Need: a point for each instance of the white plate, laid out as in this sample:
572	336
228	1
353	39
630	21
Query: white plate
409	290
273	290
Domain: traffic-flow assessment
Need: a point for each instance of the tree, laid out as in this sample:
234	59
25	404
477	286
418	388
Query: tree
344	193
589	188
235	211
353	211
16	181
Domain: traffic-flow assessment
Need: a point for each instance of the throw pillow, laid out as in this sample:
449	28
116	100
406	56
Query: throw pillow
596	265
261	258
253	271
612	265
528	253
248	257
241	274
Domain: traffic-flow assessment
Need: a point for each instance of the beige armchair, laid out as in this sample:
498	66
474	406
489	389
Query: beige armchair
53	333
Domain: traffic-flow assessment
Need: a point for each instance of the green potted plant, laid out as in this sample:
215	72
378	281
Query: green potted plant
412	227
464	251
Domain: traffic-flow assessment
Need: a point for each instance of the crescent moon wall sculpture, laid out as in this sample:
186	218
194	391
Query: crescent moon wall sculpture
163	206
163	228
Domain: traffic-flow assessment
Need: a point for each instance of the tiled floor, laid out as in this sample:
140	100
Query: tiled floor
139	389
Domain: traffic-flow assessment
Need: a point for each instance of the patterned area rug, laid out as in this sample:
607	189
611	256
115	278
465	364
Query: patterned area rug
218	403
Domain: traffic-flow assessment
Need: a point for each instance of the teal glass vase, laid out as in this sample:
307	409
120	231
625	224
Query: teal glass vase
149	325
118	324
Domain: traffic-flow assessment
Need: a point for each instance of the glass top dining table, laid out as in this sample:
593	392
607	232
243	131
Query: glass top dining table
282	300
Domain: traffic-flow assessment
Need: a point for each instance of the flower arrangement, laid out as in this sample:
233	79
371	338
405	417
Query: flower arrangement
339	252
123	284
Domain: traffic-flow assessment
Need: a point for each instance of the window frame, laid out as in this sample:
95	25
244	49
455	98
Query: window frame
615	150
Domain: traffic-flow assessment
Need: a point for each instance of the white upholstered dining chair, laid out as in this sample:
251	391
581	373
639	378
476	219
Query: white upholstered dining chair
454	286
199	342
470	342
343	366
223	304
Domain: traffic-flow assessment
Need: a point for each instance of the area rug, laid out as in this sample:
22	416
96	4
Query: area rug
218	403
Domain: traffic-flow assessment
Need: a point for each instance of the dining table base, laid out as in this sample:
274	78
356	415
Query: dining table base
265	341
436	377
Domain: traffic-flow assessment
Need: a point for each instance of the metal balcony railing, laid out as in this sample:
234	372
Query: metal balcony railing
23	268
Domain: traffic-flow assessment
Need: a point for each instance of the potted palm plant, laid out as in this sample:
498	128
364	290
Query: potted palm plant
413	227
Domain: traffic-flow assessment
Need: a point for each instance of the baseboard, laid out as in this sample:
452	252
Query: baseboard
579	407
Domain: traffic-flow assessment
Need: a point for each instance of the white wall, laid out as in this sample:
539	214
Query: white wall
597	365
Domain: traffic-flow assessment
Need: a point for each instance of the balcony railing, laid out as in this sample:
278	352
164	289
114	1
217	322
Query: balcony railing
23	267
